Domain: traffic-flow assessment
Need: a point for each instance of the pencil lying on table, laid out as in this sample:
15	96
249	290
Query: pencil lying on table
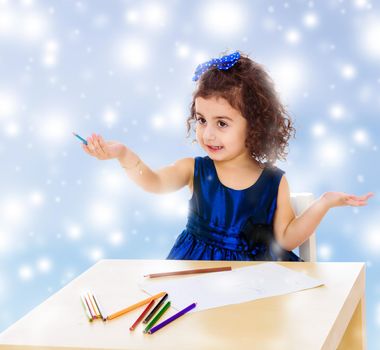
132	328
135	306
189	272
91	306
157	317
101	313
86	308
156	308
172	318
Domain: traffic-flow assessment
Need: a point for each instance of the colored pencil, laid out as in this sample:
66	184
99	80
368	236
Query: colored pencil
134	306
93	313
172	318
157	317
188	272
93	304
102	315
132	328
86	309
155	308
80	138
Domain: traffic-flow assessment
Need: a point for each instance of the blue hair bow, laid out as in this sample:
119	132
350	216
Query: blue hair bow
223	63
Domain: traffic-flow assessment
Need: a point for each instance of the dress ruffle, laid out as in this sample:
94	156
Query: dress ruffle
254	243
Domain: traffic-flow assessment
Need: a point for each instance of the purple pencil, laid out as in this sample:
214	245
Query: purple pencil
171	319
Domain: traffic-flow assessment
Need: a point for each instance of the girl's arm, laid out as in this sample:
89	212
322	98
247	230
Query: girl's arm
290	231
167	179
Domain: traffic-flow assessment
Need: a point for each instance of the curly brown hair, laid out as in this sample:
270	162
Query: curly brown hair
249	89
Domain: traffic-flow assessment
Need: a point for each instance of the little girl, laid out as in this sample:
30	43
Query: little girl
240	207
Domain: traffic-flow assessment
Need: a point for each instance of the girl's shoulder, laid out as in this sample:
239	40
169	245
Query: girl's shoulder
186	165
274	172
273	169
184	170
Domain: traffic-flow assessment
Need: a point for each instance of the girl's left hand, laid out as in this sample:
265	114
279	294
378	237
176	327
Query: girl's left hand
339	199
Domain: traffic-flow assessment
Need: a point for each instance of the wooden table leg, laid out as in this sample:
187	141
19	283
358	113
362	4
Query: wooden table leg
354	337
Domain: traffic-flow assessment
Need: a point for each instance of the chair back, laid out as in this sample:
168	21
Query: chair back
300	202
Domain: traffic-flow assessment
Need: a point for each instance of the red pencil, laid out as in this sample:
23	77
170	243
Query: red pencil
141	316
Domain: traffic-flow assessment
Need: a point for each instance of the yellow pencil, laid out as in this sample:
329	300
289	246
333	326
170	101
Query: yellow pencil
93	304
135	306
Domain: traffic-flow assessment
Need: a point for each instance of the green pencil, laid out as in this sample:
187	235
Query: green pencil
86	309
158	316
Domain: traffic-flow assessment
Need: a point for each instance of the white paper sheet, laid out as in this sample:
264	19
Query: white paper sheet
216	289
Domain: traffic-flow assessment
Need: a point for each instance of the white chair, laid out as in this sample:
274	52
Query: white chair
300	202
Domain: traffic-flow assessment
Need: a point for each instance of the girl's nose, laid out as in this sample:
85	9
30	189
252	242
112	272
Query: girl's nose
208	134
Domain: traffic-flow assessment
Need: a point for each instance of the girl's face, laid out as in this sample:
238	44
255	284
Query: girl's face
221	130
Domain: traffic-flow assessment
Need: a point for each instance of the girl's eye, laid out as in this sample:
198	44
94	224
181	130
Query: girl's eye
203	121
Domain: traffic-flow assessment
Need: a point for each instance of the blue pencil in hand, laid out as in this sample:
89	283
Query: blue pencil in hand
80	138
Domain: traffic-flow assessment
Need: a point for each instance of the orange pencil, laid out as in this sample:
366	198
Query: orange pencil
135	306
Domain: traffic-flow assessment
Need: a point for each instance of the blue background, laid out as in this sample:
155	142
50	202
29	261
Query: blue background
123	69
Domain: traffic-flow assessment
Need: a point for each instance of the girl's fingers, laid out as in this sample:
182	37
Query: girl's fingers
369	195
102	145
90	145
361	198
93	140
99	150
101	140
85	148
94	150
356	203
96	147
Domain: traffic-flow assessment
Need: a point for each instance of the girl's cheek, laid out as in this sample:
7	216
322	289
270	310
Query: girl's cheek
198	136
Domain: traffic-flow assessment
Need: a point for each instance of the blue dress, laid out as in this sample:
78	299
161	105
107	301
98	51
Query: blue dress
228	224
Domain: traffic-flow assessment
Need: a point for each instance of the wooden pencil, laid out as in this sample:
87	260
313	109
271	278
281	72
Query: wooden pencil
135	306
93	304
86	308
189	272
89	305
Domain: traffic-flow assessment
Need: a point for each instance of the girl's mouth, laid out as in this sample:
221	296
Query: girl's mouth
214	148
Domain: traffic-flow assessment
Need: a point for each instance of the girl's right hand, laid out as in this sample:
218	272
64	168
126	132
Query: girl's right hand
101	149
